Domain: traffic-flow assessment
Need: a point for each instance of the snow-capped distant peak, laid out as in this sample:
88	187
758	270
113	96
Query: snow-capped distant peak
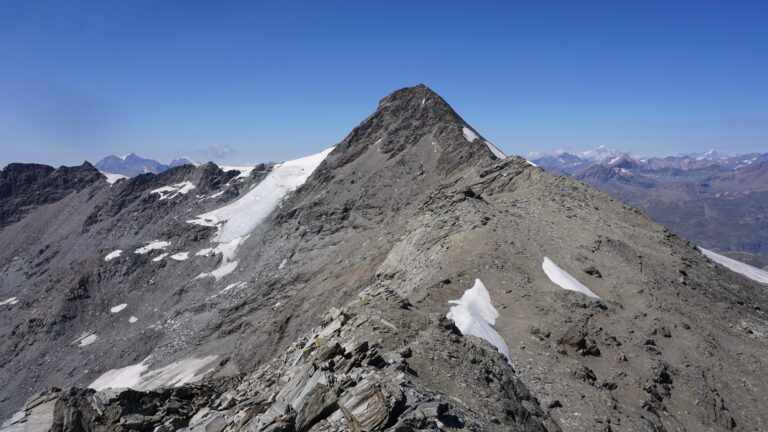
598	153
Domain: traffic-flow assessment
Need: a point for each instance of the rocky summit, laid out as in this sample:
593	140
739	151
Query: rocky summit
412	277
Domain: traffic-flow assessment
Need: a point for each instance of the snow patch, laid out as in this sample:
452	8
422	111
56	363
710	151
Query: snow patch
9	301
563	279
227	250
86	339
132	319
154	245
118	308
112	255
747	270
159	257
181	256
469	134
173	375
241	217
170	192
474	315
231	286
495	150
224	269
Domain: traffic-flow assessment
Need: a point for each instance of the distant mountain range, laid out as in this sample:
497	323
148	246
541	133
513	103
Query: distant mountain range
571	164
132	165
719	201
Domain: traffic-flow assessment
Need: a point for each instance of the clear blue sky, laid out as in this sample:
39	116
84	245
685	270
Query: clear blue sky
272	81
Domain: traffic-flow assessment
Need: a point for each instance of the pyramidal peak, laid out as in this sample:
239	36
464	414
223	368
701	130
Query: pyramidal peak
418	122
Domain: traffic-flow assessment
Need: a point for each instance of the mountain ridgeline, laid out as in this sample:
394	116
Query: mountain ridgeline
410	278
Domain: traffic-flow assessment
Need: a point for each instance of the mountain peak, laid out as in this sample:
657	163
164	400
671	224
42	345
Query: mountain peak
415	119
418	98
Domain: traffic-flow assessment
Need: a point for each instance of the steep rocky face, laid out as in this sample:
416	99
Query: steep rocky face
26	186
392	229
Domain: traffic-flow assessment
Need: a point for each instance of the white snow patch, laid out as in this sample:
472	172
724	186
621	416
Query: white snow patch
224	269
112	177
216	195
563	279
154	245
170	192
173	375
469	134
227	250
160	257
206	252
231	286
118	308
242	216
126	377
132	319
495	150
9	301
474	315
87	339
747	270
532	164
282	264
181	256
112	255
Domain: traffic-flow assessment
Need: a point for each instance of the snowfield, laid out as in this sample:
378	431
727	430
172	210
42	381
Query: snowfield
228	264
747	270
241	217
563	279
170	192
474	315
173	375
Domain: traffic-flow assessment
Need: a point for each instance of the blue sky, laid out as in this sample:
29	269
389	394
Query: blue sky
255	81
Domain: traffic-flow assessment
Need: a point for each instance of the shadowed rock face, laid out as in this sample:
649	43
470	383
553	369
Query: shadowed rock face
23	187
333	317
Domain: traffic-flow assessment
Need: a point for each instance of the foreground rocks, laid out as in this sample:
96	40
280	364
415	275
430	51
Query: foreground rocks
378	364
